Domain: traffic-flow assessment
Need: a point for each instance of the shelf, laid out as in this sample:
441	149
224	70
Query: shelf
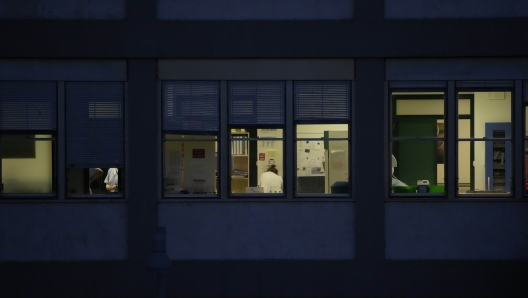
240	163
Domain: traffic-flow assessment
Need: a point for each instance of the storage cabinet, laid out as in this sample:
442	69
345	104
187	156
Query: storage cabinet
498	157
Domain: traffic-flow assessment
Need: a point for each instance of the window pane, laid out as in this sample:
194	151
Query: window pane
492	171
95	181
415	167
418	142
27	165
322	158
484	146
489	107
257	161
190	165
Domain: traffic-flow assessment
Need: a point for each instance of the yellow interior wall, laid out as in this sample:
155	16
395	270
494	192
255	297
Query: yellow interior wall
29	175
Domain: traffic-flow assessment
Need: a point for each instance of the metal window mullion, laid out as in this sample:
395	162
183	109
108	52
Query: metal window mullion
390	111
61	142
224	177
394	139
451	157
350	136
289	141
518	141
161	140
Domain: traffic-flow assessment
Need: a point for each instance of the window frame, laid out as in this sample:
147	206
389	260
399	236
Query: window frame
326	121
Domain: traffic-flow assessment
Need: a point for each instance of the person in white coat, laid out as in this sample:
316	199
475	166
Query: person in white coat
111	180
271	181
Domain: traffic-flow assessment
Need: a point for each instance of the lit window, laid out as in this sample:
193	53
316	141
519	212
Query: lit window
256	118
481	156
322	118
485	144
417	142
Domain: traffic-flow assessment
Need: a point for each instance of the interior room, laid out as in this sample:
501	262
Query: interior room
322	158
483	142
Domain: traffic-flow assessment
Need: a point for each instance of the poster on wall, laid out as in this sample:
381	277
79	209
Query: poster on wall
310	158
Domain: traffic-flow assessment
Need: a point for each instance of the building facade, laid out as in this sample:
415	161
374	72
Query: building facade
181	106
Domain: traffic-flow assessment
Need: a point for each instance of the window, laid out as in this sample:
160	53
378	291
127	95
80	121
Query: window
256	120
480	115
190	135
417	141
94	138
28	127
253	153
485	144
322	118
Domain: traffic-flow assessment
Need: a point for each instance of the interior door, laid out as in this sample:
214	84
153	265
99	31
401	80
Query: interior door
416	159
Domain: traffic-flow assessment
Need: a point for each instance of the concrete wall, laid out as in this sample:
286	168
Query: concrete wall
254	9
457	69
259	230
456	230
431	9
63	69
63	231
62	9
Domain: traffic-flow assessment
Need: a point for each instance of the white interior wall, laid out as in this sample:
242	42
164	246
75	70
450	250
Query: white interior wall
272	150
487	110
198	173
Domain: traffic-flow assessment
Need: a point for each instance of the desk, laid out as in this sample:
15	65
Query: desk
486	191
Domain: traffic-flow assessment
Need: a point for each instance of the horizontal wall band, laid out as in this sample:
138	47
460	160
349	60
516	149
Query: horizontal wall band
485	84
63	70
418	84
457	69
256	69
434	9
